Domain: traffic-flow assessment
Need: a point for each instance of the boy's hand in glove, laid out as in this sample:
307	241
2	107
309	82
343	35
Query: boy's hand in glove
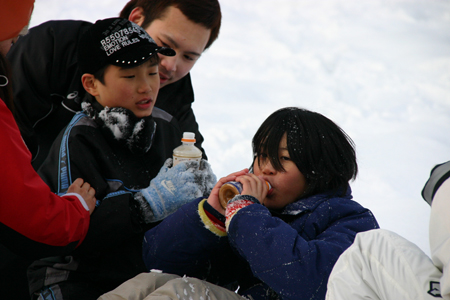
173	187
205	178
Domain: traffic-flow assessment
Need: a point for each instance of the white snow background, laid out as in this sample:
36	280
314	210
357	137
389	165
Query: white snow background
379	68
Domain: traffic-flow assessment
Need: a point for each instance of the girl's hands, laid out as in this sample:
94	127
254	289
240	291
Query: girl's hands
213	199
253	185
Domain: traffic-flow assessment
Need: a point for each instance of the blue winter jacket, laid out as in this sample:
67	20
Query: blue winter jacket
270	255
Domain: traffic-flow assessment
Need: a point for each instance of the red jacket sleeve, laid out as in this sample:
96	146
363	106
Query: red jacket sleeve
29	212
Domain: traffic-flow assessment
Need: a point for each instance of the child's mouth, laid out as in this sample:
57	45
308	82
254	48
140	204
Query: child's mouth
144	104
144	101
269	187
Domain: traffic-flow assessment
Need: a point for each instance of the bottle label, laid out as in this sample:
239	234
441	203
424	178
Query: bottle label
178	159
236	184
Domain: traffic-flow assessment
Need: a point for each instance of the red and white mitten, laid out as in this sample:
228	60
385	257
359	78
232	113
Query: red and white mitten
236	204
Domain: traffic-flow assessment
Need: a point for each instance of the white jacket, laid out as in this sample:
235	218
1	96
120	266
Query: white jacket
440	235
381	265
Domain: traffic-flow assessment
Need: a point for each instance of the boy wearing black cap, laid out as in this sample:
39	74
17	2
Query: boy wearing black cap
118	143
120	66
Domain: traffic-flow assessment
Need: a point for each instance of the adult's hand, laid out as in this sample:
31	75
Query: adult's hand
85	190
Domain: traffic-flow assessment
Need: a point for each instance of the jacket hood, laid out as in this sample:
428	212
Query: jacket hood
122	125
310	203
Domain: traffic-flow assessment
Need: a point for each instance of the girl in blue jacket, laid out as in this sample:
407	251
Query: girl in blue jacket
277	244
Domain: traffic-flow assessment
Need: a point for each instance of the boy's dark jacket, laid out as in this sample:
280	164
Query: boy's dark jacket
112	250
283	255
48	90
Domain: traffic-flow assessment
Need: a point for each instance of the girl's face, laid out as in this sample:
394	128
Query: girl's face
288	186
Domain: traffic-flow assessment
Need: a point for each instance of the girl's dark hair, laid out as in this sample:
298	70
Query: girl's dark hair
6	92
203	12
321	150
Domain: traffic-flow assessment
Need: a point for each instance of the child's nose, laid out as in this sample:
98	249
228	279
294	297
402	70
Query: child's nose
144	86
267	168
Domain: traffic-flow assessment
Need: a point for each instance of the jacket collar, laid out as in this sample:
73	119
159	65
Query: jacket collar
310	203
121	125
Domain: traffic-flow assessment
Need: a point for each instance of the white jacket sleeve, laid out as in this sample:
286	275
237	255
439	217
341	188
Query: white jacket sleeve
382	265
440	235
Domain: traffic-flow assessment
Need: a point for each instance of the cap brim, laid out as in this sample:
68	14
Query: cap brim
140	55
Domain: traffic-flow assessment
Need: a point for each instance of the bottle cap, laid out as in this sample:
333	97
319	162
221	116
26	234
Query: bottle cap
188	137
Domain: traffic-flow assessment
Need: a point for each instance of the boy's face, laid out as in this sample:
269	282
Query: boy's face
187	38
135	89
288	185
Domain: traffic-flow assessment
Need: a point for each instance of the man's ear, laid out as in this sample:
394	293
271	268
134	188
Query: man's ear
89	84
137	16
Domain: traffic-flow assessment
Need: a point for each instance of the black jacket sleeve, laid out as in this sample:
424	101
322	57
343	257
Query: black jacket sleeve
45	74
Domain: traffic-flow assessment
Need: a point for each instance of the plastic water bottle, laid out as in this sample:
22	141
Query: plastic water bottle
187	151
232	188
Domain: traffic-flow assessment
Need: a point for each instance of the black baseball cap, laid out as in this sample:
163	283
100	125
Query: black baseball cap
118	42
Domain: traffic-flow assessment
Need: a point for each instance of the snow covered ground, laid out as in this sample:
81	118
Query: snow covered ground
378	68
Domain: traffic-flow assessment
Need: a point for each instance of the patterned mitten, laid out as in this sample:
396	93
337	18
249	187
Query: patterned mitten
236	204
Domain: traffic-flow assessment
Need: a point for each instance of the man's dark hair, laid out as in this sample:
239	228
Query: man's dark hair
321	150
204	12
